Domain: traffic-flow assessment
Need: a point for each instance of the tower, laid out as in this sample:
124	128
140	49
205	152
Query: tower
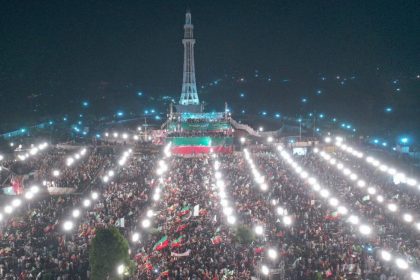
189	88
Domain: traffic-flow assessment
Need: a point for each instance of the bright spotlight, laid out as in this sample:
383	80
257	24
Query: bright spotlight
386	256
415	275
342	210
29	195
402	264
8	209
135	237
145	223
76	213
392	207
120	269
86	203
280	211
408	218
333	201
272	254
365	229
149	213
265	270
228	211
34	189
287	220
16	202
95	195
231	220
354	219
68	225
259	230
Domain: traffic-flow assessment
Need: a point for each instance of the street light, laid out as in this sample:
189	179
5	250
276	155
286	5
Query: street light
272	254
68	225
265	270
120	269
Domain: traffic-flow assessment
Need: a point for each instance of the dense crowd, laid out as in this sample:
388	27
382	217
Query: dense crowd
79	174
189	237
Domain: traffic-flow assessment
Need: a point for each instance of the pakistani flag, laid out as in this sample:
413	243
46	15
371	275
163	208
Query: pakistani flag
161	244
216	240
333	216
184	211
177	242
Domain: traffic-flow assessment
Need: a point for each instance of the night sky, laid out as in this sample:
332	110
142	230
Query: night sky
70	50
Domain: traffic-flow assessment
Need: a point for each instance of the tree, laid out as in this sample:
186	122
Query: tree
244	235
109	250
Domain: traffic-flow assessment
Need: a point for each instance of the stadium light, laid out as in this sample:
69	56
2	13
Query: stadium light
145	223
86	203
259	230
29	195
68	225
120	269
272	254
386	256
231	220
287	220
76	213
135	237
265	270
402	264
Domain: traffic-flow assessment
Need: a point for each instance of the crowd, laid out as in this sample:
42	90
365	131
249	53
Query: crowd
199	241
314	247
189	237
79	174
34	245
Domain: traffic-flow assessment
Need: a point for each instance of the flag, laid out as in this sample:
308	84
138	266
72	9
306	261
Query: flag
181	227
177	242
120	222
216	240
328	273
259	250
185	254
333	216
184	211
161	244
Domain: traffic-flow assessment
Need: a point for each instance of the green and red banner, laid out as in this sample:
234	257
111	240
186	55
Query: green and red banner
184	211
178	242
161	244
216	240
181	227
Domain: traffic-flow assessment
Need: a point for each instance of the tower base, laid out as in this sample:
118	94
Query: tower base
189	108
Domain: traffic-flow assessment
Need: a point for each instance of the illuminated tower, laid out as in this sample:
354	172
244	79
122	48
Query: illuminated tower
189	88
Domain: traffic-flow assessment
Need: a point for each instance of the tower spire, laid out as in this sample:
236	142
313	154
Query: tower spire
189	94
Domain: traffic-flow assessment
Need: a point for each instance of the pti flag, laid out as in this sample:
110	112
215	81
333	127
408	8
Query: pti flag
161	244
177	242
184	211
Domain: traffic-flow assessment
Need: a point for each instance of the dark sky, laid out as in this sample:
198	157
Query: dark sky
63	47
80	41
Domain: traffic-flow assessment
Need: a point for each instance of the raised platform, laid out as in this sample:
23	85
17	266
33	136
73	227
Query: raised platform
190	150
199	132
189	108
